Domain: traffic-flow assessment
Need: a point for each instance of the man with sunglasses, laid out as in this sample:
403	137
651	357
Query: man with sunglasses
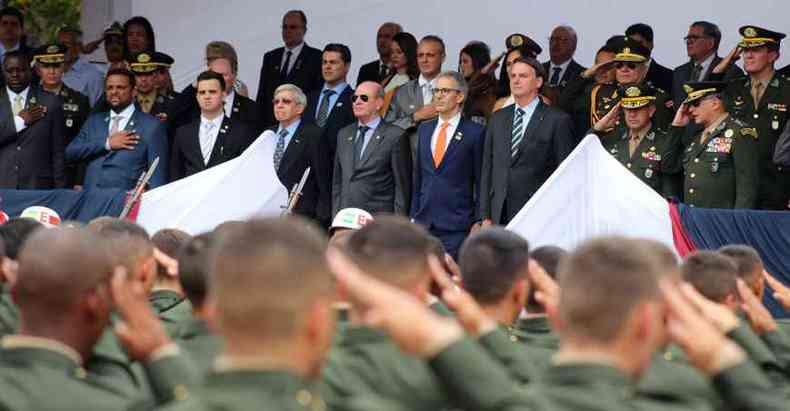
449	158
702	46
373	165
761	100
720	168
295	63
650	153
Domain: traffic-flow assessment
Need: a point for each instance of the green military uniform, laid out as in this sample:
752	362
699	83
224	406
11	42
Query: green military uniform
199	344
76	106
768	117
604	97
671	379
655	159
536	332
41	374
720	171
172	308
9	313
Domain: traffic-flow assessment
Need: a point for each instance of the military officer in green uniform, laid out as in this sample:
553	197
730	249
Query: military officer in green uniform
144	66
650	153
720	166
761	100
49	60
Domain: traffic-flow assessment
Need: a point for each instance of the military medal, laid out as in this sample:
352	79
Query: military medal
649	173
728	133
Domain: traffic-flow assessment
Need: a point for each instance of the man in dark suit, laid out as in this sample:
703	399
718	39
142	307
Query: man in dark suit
299	145
296	63
121	144
702	45
373	162
524	145
449	157
12	23
561	67
657	74
379	69
211	140
330	107
32	135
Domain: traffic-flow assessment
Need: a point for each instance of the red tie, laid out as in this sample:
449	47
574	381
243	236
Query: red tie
441	145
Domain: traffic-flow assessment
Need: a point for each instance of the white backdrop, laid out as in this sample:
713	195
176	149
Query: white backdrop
183	27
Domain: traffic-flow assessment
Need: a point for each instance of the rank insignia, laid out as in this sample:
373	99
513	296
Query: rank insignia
651	136
749	131
777	107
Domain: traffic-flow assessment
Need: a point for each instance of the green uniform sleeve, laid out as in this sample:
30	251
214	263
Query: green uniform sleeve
747	163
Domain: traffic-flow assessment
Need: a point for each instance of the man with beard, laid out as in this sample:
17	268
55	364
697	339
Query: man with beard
120	144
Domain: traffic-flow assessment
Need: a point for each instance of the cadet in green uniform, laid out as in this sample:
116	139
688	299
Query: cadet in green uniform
761	100
649	152
167	296
76	106
720	166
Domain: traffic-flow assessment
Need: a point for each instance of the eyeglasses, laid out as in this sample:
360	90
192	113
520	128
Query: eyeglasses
619	64
443	91
286	101
363	97
693	37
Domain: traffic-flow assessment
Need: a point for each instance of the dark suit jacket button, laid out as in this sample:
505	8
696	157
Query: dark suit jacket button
18	148
16	168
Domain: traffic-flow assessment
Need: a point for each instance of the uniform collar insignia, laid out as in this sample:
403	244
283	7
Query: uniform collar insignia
650	136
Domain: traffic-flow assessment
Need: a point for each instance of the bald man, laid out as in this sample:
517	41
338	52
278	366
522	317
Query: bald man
65	298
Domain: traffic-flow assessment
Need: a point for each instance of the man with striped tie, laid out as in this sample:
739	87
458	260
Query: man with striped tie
524	144
447	176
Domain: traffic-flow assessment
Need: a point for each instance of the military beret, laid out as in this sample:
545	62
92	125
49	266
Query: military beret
754	36
630	50
49	54
699	89
638	96
518	40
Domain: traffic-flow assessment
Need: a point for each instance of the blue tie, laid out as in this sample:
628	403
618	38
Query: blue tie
359	143
323	110
518	131
279	150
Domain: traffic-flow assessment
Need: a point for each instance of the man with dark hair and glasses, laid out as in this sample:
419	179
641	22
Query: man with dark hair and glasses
660	76
295	63
720	165
702	46
449	158
373	161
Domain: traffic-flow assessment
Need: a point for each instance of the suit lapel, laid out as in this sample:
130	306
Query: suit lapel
279	59
193	144
710	68
455	141
6	112
373	144
341	100
346	149
132	123
294	149
218	151
417	95
534	123
425	140
504	143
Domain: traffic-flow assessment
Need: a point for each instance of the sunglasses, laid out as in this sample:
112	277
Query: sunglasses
618	65
363	97
286	101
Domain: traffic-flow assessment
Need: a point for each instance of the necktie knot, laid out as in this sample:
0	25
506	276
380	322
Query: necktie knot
363	130
283	132
329	92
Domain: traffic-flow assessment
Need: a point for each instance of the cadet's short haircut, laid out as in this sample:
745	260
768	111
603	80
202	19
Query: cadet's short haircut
266	276
435	39
169	241
15	232
195	260
601	282
641	29
534	63
491	262
223	49
342	49
128	243
549	257
747	261
118	71
711	30
712	274
212	75
391	249
74	262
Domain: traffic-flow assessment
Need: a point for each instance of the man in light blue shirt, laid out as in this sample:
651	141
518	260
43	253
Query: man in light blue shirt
79	74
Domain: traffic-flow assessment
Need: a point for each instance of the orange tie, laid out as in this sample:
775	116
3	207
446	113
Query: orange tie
441	145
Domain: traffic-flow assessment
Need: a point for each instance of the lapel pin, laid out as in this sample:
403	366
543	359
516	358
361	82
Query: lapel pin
378	137
297	141
339	104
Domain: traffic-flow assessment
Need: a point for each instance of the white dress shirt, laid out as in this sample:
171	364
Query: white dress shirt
427	87
453	124
19	123
126	115
294	55
208	132
705	64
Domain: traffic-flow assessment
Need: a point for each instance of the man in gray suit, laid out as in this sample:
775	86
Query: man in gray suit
411	103
372	163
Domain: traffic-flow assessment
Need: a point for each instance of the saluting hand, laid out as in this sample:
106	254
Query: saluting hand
682	116
731	58
609	120
760	319
781	291
469	313
493	64
590	72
